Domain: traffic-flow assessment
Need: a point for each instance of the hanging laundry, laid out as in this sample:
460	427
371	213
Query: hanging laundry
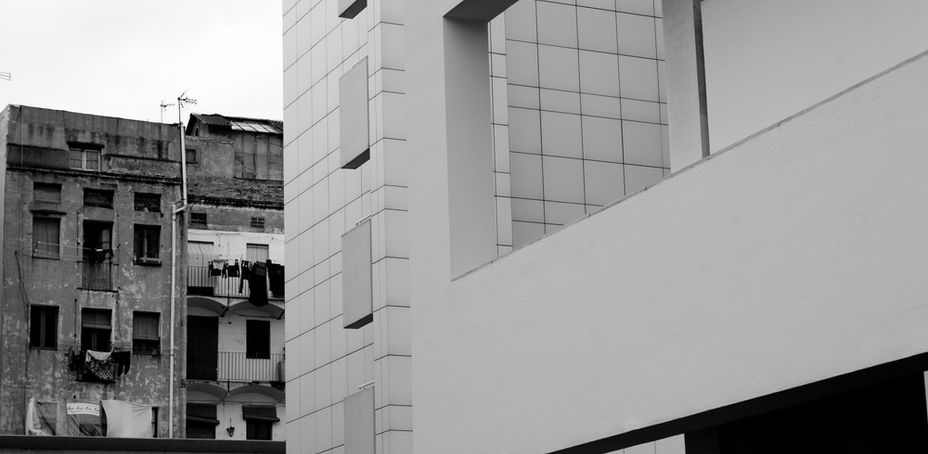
246	274
216	266
257	284
127	419
275	274
41	417
233	269
121	362
84	420
100	365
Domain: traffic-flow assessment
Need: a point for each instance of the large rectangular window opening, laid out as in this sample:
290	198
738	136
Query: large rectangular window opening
97	255
96	329
84	158
46	234
147	202
258	339
46	192
256	252
43	327
146	337
102	198
147	243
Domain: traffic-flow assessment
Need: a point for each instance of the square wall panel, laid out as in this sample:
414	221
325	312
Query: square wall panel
599	73
520	21
638	78
636	35
602	139
563	179
638	177
642	143
596	29
525	175
560	134
557	24
522	63
525	130
605	182
558	68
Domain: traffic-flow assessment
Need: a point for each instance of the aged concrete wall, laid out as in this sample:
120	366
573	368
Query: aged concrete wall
57	281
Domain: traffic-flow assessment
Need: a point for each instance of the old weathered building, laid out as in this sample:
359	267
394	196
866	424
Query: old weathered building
235	364
87	266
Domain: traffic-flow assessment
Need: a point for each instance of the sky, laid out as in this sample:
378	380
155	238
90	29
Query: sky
122	58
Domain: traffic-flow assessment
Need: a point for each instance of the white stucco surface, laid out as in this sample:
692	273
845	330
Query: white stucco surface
768	60
791	258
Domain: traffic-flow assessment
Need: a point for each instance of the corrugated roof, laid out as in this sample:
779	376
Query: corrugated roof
259	125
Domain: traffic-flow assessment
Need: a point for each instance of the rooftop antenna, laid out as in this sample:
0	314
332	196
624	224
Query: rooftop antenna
6	76
164	107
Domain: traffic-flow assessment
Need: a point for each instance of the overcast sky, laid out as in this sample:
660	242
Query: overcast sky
123	57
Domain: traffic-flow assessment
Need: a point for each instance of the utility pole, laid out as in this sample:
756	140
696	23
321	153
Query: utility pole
179	207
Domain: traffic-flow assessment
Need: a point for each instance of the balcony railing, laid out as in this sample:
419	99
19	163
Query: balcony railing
235	366
200	281
97	275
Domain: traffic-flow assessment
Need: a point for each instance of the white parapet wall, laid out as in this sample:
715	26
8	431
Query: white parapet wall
795	256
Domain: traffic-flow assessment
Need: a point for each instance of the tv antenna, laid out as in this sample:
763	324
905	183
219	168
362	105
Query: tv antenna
6	75
164	107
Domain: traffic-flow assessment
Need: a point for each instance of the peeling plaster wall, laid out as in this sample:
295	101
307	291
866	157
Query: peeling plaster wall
35	149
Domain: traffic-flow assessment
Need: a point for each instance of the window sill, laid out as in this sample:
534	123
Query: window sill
49	349
147	262
98	290
57	259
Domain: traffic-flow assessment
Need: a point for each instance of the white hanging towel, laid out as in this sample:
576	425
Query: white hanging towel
127	419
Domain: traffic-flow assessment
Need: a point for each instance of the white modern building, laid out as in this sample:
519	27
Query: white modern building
590	226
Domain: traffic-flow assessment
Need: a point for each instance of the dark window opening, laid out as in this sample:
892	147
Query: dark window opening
46	234
43	327
96	329
147	202
146	337
46	192
97	256
259	421
256	252
191	156
257	222
198	219
258	339
147	243
154	422
102	198
201	421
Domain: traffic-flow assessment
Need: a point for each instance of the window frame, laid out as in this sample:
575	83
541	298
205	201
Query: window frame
46	252
94	330
107	194
254	348
85	152
41	184
146	344
41	341
195	219
149	241
258	222
147	202
249	247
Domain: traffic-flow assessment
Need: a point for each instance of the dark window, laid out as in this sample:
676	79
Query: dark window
201	421
198	219
146	339
46	233
43	329
259	419
257	222
102	198
147	242
82	158
154	422
258	339
96	329
97	256
191	155
46	192
148	202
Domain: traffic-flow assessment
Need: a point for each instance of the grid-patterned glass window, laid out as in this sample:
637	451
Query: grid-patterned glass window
46	234
146	339
147	202
197	219
86	159
257	222
43	327
147	242
96	329
256	252
257	339
102	198
46	192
